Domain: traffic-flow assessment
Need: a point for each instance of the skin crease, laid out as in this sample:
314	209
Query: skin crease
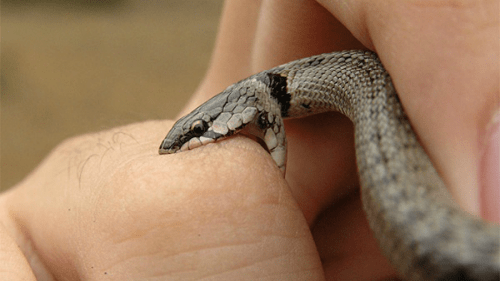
106	206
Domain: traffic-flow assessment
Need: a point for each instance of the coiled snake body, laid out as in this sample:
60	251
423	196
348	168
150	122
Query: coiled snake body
425	235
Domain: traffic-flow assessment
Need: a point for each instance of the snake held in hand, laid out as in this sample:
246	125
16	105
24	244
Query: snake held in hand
425	235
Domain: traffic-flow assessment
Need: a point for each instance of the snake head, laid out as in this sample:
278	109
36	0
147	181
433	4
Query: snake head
219	117
254	105
178	139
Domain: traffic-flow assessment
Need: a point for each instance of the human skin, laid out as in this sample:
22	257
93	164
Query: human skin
107	206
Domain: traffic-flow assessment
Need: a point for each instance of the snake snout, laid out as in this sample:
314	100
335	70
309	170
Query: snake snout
171	143
164	148
168	146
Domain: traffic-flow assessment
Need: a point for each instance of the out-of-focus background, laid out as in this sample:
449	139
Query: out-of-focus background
70	67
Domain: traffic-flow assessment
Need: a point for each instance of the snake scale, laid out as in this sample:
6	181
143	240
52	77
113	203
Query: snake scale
420	229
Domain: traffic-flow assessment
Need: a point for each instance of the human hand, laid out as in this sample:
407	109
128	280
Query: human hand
107	206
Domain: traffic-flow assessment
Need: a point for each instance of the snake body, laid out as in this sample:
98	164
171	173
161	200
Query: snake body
424	234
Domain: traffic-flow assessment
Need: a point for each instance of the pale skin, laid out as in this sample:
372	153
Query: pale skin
107	206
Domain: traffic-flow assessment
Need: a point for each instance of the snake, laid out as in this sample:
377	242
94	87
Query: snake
418	226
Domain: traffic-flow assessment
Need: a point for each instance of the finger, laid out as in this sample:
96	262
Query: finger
230	60
443	57
320	166
347	248
108	205
289	30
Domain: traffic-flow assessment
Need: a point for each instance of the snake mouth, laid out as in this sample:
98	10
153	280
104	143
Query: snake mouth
163	150
167	151
168	146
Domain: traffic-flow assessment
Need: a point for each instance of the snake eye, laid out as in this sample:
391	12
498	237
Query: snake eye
199	127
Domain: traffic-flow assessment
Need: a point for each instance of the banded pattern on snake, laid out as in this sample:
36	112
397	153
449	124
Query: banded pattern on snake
425	235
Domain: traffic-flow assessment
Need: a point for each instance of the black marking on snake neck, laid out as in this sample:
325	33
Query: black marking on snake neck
277	85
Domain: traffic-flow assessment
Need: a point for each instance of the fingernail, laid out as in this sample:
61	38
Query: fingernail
490	172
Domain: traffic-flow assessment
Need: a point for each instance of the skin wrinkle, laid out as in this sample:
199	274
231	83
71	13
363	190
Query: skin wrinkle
221	143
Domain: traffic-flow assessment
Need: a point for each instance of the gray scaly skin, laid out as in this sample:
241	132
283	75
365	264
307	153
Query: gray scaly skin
425	235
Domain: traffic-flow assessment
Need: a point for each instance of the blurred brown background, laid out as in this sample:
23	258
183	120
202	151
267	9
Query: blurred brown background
73	66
